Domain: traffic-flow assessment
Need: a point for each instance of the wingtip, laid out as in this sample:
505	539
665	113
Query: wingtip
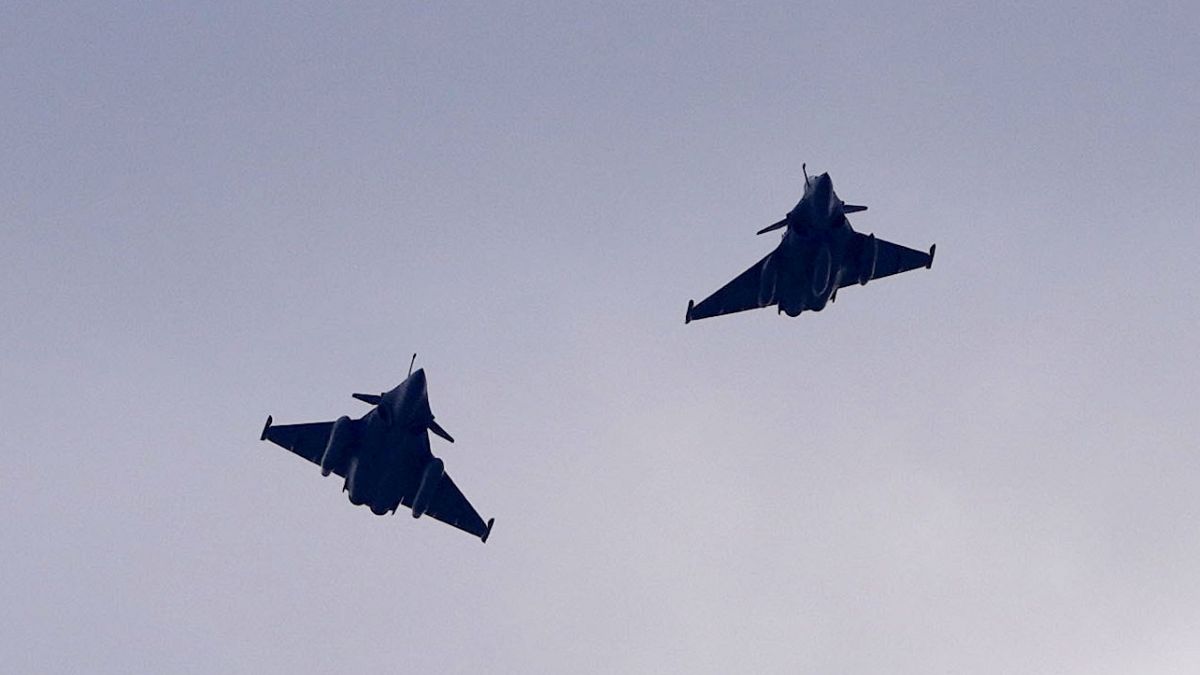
688	317
488	533
266	427
932	251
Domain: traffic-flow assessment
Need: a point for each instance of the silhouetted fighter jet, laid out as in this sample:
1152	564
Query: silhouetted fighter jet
819	254
385	457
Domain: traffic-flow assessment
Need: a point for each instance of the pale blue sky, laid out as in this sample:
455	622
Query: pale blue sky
211	212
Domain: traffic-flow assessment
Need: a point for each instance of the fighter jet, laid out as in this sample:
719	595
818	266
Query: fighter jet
384	456
819	254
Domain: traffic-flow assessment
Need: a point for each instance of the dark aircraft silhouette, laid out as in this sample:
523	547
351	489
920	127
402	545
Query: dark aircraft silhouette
819	254
385	458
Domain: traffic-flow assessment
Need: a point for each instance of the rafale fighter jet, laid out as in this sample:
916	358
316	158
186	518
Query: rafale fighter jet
819	254
384	456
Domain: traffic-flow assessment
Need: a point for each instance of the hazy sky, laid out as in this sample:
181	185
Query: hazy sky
211	212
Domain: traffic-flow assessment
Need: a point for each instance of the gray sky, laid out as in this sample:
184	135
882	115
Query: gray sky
211	212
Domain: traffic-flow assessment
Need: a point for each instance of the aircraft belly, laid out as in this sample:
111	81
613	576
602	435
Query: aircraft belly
791	295
364	475
799	265
790	292
394	463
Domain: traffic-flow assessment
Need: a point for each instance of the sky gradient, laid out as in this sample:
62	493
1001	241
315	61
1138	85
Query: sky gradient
214	212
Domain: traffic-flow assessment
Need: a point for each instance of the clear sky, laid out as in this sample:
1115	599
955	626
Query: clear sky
212	211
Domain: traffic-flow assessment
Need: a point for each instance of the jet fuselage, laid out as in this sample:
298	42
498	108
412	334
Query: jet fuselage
392	441
806	266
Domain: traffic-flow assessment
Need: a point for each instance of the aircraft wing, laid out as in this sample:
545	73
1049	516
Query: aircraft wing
738	295
890	259
306	440
451	507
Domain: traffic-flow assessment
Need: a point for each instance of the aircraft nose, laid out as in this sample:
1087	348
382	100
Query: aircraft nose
823	192
824	185
418	378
